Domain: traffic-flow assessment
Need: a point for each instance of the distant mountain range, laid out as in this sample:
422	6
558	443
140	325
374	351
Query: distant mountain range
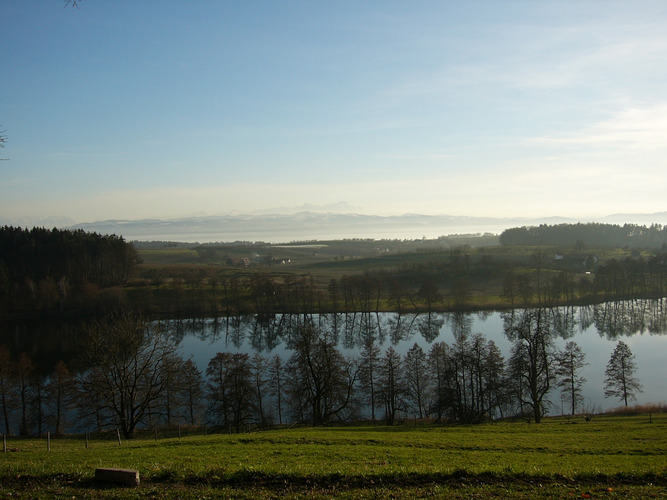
308	226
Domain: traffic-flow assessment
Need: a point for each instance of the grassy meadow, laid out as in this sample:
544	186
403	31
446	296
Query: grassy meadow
616	456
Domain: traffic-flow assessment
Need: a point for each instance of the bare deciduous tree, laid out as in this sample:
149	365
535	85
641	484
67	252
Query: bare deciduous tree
417	380
7	388
368	366
3	140
169	408
276	381
192	397
131	359
321	381
59	395
494	380
24	371
390	385
258	369
440	365
231	391
532	359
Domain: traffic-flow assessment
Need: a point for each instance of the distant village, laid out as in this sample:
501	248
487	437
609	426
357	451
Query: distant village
256	260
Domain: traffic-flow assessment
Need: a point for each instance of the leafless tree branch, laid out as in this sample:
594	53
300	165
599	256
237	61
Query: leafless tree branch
3	140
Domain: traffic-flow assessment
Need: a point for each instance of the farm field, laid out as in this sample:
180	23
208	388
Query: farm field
612	456
208	280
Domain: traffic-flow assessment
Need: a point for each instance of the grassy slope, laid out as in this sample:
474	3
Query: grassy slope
614	456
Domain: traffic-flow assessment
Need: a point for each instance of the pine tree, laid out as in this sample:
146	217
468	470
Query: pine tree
620	381
568	363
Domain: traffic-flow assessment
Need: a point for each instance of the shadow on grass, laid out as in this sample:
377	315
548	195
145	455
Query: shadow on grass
339	482
458	477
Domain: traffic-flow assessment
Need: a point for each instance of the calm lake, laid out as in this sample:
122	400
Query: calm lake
641	324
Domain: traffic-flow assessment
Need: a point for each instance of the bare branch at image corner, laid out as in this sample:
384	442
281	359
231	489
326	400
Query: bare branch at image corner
3	140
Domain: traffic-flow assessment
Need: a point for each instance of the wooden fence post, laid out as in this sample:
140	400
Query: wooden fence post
118	434
48	441
86	439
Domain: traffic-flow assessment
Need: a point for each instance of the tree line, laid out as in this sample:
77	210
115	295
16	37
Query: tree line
592	234
42	268
133	377
418	287
57	271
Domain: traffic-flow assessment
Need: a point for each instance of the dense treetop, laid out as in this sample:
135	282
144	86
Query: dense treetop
597	234
38	254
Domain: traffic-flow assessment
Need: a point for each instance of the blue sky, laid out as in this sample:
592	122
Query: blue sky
128	110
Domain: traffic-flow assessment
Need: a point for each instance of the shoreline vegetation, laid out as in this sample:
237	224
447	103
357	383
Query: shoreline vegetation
56	273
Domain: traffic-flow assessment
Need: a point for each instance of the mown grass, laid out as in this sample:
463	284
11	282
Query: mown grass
614	456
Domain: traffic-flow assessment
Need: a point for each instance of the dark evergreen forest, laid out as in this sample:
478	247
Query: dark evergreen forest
47	263
593	234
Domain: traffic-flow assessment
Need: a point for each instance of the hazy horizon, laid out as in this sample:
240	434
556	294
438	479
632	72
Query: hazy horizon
300	225
160	109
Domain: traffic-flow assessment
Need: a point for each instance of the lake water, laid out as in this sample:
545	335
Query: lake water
597	329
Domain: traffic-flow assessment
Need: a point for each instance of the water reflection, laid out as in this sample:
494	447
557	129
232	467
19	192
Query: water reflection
265	332
429	326
47	342
564	321
627	318
595	328
461	324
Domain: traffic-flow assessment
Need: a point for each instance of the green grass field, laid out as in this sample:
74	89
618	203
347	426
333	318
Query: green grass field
610	456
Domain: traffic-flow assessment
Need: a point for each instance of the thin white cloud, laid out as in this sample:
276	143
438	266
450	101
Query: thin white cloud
415	156
637	128
540	58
